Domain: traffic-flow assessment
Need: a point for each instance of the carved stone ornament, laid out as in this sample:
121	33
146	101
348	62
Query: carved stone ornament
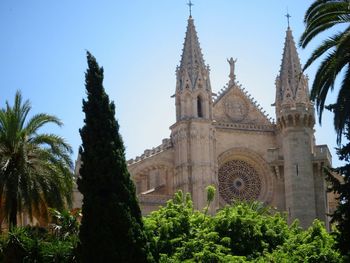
238	180
235	108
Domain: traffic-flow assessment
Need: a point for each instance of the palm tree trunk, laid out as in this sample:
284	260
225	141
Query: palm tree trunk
12	194
13	213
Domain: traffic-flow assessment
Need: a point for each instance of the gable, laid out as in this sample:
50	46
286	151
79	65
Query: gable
235	105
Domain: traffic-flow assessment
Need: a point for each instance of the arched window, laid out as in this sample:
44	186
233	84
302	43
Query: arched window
199	107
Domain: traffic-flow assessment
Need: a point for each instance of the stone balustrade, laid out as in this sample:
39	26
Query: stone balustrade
166	144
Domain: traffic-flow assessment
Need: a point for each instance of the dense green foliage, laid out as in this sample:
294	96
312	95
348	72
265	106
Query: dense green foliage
321	16
35	169
341	216
242	232
313	245
35	244
111	227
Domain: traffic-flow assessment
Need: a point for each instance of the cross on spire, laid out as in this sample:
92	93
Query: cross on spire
288	16
190	7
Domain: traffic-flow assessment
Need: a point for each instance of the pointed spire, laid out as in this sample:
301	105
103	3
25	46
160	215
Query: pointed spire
192	60
290	68
193	95
291	79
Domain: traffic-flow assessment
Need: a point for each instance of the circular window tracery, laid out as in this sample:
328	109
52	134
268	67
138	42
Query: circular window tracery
238	180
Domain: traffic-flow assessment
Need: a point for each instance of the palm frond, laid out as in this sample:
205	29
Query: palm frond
325	46
342	106
326	75
39	120
323	15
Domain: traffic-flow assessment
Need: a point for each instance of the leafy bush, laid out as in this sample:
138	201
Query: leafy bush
57	251
315	245
168	227
242	232
251	228
65	223
37	244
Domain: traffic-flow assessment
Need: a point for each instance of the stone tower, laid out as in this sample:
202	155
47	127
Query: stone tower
295	122
193	134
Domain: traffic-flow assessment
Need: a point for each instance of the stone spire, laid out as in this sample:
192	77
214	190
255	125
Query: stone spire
192	66
291	84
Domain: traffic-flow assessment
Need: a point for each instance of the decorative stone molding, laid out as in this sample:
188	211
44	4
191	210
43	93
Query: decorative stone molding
185	133
194	133
179	135
236	108
277	172
246	126
295	119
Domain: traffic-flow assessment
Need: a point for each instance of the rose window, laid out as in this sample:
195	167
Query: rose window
238	180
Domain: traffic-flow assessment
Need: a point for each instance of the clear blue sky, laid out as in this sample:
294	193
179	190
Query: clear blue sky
139	43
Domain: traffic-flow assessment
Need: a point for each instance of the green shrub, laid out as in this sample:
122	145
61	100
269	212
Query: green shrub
37	244
58	251
241	232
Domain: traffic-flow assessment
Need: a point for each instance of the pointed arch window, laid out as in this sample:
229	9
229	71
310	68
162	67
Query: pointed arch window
199	107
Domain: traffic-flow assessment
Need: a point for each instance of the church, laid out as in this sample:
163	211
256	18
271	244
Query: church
226	140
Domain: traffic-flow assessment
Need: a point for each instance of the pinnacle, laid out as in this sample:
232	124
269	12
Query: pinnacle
192	58
291	83
290	61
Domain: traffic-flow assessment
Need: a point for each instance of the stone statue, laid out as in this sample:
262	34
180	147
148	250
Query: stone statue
232	68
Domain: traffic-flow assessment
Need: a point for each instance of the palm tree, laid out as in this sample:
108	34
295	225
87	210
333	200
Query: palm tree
323	15
35	169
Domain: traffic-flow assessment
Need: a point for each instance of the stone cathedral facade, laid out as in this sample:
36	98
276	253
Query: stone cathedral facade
226	140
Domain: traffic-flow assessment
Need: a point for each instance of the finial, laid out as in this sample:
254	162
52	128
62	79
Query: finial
190	7
288	16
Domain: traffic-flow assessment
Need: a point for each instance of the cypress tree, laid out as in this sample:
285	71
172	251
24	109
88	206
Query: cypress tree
111	227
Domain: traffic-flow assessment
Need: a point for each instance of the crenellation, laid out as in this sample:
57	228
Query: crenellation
166	144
